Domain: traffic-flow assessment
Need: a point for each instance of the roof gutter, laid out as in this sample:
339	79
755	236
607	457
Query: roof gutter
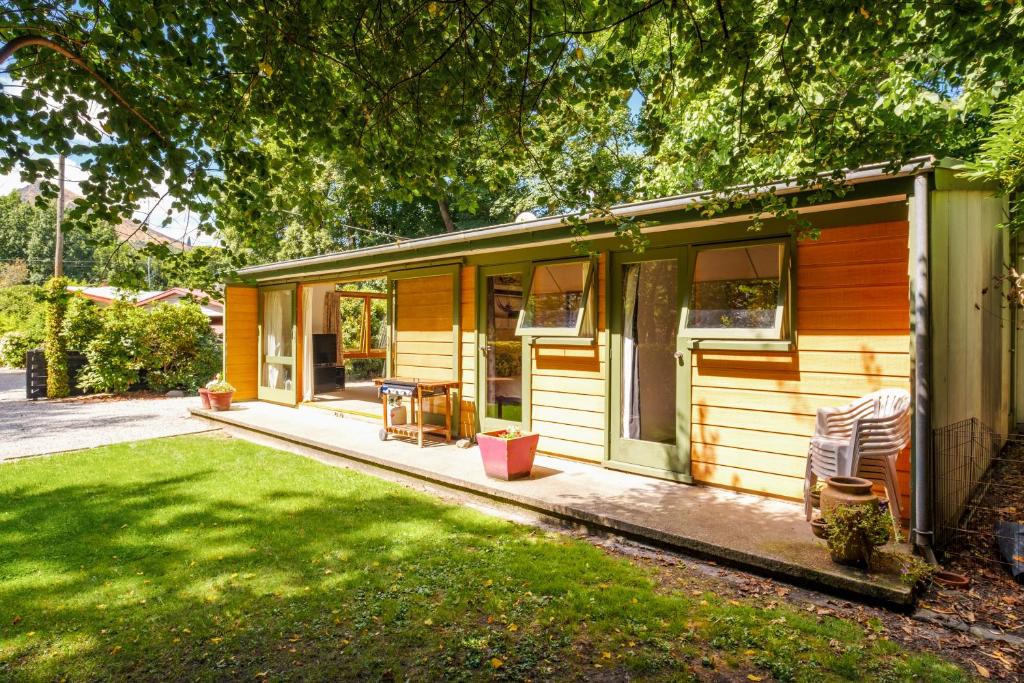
859	175
922	531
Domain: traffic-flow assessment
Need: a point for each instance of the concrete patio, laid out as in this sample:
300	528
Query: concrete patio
761	534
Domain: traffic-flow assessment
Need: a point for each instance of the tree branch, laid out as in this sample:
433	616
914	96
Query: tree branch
15	44
721	17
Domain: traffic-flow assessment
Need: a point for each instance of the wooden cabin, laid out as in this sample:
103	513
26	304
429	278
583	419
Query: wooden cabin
702	359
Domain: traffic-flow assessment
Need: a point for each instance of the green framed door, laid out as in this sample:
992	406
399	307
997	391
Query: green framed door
503	359
649	410
277	307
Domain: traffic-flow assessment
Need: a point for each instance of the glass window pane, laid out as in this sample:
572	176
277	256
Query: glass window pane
736	287
650	308
277	376
351	317
277	323
504	358
556	295
378	324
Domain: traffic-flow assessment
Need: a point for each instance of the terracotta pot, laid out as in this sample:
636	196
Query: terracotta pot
507	458
819	528
815	499
846	491
204	398
220	400
948	579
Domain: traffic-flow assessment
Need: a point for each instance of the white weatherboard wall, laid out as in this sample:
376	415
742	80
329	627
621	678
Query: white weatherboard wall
971	324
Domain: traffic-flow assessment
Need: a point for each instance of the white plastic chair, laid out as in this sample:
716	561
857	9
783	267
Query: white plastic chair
864	438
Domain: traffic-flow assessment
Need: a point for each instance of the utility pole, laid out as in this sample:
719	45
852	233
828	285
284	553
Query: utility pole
58	252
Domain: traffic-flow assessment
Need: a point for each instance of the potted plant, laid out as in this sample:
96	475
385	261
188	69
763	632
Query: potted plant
854	531
507	454
204	398
219	393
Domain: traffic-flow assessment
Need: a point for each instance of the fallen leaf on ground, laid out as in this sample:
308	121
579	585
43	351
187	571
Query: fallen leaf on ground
982	671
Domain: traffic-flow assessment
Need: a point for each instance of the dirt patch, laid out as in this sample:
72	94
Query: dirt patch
994	600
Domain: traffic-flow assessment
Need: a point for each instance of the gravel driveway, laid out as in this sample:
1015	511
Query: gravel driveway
38	427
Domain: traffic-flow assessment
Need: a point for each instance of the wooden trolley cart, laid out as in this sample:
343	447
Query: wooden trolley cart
417	391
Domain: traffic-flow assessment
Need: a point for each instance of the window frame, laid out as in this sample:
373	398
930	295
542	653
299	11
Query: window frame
585	310
783	304
365	349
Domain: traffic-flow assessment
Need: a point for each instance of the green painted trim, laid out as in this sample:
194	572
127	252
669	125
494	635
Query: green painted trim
618	447
601	236
491	423
740	345
413	272
680	477
952	178
563	341
527	407
388	360
783	302
586	308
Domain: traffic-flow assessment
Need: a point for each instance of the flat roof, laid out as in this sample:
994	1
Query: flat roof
862	174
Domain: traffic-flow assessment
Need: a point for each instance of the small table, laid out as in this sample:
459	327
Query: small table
417	391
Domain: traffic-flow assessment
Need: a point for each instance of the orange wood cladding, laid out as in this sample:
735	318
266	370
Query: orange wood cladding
241	342
753	412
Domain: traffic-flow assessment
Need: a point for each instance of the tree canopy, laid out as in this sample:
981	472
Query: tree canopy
257	116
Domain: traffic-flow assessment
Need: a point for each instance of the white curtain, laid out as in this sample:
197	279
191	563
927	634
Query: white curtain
307	347
630	358
276	312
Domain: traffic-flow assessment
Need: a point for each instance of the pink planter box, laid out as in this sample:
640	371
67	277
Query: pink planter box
507	458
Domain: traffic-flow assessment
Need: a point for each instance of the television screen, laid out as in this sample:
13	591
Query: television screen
324	349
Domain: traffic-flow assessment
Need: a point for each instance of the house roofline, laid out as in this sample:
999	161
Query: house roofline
862	174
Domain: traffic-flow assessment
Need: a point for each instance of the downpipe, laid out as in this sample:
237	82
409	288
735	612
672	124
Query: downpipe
922	532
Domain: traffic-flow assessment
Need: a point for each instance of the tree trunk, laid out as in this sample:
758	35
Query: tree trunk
446	216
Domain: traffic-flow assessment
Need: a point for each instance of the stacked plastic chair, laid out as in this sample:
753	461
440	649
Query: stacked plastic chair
864	437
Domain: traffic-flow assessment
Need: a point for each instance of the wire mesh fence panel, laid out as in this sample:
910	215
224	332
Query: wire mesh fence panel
978	483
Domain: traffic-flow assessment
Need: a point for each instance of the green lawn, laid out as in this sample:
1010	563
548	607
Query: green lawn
205	557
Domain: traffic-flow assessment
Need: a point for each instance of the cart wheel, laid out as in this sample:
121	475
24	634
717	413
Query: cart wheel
382	434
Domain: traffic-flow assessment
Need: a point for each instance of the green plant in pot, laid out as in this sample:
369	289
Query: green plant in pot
220	392
854	531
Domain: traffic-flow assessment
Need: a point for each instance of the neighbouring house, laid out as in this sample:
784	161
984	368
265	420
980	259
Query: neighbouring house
211	307
701	360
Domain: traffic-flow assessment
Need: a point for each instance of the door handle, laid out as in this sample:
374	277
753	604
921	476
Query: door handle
679	355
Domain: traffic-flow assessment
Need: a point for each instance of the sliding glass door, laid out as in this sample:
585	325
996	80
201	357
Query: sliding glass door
277	344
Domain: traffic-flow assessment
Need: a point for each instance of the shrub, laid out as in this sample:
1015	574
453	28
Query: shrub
22	309
183	352
13	347
116	355
54	344
81	323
